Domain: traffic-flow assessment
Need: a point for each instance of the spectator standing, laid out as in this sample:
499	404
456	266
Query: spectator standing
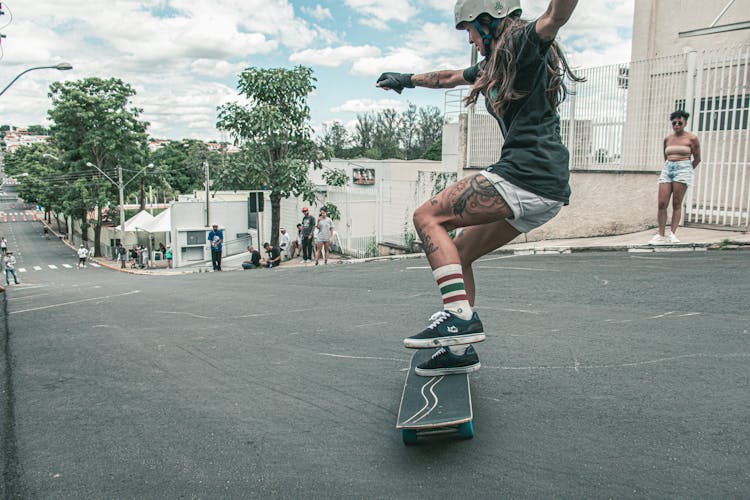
10	267
3	245
133	256
308	227
284	242
216	237
168	256
325	235
82	254
122	255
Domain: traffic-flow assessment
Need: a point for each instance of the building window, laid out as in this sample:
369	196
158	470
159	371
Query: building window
721	113
363	176
196	237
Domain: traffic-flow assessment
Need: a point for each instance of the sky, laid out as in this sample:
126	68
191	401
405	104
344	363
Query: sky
183	56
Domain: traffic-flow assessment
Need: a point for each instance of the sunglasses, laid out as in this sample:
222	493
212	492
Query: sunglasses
677	122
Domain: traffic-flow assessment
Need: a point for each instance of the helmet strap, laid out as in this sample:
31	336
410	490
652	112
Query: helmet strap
486	37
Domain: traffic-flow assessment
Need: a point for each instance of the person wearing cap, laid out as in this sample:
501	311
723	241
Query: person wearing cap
284	242
521	80
82	254
216	238
9	261
308	228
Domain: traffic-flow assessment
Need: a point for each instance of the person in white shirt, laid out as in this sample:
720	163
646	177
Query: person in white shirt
284	242
10	268
82	254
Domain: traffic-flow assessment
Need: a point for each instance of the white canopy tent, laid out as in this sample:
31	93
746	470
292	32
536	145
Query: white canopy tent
137	222
162	223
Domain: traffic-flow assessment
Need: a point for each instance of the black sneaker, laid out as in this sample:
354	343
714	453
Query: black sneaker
447	329
444	362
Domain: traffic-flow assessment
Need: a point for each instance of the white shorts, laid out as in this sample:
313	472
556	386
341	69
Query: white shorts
529	210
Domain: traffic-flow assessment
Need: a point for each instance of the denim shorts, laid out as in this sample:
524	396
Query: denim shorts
677	171
529	210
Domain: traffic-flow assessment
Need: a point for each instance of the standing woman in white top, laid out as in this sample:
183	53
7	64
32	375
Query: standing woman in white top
325	235
682	153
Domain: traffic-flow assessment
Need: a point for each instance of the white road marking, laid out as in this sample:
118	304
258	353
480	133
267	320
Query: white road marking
37	268
359	357
21	269
94	264
518	268
578	367
67	266
52	266
75	302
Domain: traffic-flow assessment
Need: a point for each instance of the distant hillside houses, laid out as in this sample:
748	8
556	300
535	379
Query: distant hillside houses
17	137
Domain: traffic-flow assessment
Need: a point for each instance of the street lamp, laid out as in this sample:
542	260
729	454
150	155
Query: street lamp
61	67
121	189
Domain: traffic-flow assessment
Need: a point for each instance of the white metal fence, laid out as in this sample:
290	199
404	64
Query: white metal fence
617	120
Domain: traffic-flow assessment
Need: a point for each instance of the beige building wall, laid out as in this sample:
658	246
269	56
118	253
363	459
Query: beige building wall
657	25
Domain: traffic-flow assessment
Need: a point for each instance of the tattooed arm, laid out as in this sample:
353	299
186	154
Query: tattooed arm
557	14
445	79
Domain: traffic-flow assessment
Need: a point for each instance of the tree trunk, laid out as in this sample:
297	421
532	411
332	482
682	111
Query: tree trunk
143	194
85	225
59	226
275	218
98	232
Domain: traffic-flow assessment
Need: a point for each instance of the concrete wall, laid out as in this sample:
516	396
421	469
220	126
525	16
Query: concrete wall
657	23
230	216
604	203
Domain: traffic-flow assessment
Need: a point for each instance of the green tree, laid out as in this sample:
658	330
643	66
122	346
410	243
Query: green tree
94	121
430	128
335	140
179	166
274	133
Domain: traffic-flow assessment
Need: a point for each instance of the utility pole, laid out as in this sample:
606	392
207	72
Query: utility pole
208	211
121	189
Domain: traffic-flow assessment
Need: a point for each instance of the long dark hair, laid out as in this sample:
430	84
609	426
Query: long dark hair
500	69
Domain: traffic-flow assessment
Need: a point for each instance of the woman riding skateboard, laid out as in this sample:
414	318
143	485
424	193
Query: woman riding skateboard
521	79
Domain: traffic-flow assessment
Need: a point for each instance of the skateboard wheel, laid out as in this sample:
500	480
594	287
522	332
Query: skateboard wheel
466	430
409	436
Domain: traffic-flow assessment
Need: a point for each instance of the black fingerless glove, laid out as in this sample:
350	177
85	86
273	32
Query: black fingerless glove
396	81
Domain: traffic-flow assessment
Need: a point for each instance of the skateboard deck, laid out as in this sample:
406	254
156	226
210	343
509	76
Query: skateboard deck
431	405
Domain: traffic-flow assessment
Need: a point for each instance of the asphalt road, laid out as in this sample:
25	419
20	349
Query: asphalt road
604	376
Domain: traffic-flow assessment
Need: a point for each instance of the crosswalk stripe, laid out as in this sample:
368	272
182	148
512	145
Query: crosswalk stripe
21	269
67	266
37	268
52	266
94	264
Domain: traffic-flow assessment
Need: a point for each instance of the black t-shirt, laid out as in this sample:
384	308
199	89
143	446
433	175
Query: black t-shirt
533	155
255	258
273	254
308	224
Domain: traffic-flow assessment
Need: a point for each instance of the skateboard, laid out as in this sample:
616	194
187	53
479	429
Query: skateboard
434	405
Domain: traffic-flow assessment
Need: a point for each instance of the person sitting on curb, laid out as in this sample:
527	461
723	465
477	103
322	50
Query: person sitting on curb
274	256
254	261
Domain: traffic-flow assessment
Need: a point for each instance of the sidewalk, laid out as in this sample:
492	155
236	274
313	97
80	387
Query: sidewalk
692	240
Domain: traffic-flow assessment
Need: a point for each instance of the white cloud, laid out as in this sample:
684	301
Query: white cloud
333	57
400	60
319	13
384	10
369	105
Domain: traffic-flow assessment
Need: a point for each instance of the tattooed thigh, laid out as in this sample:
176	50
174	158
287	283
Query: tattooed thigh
473	200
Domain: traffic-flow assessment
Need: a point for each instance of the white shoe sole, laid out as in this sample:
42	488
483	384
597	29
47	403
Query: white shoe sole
460	370
472	338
